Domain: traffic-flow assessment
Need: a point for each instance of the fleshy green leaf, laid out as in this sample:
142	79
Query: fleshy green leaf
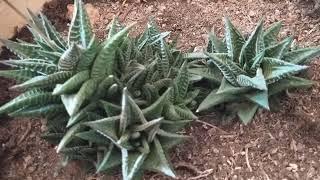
157	160
215	45
271	34
104	63
38	65
224	68
45	81
80	30
112	158
22	50
30	98
214	99
260	98
253	46
289	83
107	127
275	69
278	50
301	56
73	102
72	84
93	137
257	82
247	111
82	114
18	75
131	163
69	59
39	111
227	88
234	41
69	136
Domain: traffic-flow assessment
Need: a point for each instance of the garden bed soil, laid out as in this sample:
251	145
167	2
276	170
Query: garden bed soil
276	145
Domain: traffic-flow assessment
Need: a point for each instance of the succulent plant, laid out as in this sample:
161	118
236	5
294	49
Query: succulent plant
75	83
253	69
139	142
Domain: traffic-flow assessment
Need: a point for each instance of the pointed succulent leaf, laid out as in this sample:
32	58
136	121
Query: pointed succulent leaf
289	83
37	65
69	136
157	38
191	95
171	114
52	33
275	69
260	98
195	55
224	68
234	41
256	62
301	56
157	160
130	112
72	84
45	81
214	99
88	55
107	127
30	98
215	45
18	75
113	91
73	102
208	73
150	93
114	27
247	111
271	34
227	88
173	126
147	126
36	21
40	111
165	82
253	46
22	50
93	137
163	61
257	82
104	86
155	109
111	159
185	112
104	62
110	108
182	80
131	163
50	56
277	51
80	29
82	114
70	58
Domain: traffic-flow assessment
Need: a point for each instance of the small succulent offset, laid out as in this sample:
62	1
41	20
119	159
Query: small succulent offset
119	101
254	69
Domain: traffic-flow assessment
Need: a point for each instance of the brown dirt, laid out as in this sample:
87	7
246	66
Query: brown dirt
276	145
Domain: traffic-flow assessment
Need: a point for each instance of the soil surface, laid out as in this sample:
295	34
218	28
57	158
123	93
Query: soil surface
276	145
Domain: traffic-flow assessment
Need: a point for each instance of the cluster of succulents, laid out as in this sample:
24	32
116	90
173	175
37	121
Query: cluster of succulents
122	101
250	71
